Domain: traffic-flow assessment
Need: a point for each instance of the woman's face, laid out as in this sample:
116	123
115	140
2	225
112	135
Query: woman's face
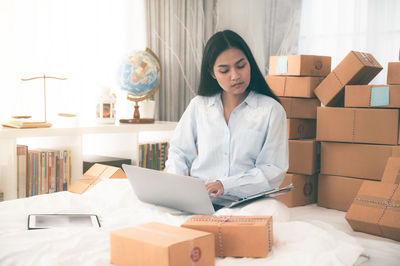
232	71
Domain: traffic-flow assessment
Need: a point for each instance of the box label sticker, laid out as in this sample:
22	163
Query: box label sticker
281	67
379	96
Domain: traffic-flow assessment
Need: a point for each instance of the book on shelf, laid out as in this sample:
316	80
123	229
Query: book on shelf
153	155
46	171
22	170
26	124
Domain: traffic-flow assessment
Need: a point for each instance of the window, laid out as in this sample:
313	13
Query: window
83	41
335	27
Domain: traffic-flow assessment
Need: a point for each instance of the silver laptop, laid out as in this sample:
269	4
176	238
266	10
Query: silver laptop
185	193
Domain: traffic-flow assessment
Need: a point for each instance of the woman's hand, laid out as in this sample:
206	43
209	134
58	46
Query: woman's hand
215	187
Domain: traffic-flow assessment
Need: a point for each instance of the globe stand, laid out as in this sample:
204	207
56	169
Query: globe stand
136	117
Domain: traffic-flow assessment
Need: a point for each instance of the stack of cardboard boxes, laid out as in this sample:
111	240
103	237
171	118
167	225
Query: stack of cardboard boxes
357	139
197	242
293	79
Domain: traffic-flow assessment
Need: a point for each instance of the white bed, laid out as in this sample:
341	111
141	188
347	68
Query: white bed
307	235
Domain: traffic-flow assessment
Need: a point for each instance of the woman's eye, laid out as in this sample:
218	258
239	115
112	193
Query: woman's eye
224	71
241	66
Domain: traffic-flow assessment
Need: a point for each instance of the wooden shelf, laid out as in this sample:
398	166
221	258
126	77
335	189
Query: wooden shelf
85	129
119	140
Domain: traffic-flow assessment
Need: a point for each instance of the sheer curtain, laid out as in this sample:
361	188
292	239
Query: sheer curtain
334	27
178	30
83	41
270	27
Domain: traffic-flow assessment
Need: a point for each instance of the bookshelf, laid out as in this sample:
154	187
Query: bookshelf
120	140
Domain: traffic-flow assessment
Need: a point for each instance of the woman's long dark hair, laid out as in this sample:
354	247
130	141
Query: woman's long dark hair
218	43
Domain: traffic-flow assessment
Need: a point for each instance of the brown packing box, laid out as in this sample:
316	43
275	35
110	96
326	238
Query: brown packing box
381	96
393	75
376	208
293	86
356	68
236	236
94	175
337	192
304	156
305	191
359	125
300	107
301	128
156	244
356	160
300	65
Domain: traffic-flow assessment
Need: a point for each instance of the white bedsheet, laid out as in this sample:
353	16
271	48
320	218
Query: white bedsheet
302	236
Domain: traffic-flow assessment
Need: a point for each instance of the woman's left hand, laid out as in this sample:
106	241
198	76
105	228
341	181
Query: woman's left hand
215	187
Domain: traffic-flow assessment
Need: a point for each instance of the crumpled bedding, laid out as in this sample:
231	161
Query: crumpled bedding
296	242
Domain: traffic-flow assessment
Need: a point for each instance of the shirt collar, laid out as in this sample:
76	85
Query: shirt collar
213	99
251	99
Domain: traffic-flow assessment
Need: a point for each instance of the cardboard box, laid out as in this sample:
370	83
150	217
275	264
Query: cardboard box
393	75
305	191
156	244
90	159
300	65
356	160
337	192
376	208
94	175
381	96
356	68
301	128
236	236
304	156
358	125
300	107
293	86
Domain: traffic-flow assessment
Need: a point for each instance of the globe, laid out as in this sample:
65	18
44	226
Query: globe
140	77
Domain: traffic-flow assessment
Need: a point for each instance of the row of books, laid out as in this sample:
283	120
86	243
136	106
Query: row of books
153	155
42	171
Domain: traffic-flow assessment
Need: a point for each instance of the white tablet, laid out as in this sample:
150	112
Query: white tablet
43	221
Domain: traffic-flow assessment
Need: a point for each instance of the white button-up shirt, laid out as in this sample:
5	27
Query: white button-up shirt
248	155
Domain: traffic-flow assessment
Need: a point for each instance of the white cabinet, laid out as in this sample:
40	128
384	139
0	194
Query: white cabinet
120	140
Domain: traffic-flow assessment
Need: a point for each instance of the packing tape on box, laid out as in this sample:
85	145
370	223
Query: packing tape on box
341	84
193	250
367	59
228	218
353	130
365	200
220	220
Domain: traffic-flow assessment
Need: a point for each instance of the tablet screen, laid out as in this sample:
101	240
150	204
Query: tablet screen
41	221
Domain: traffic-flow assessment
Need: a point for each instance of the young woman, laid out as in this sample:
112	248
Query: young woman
233	134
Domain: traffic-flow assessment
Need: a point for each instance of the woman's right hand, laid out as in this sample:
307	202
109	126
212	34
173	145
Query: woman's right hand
215	187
